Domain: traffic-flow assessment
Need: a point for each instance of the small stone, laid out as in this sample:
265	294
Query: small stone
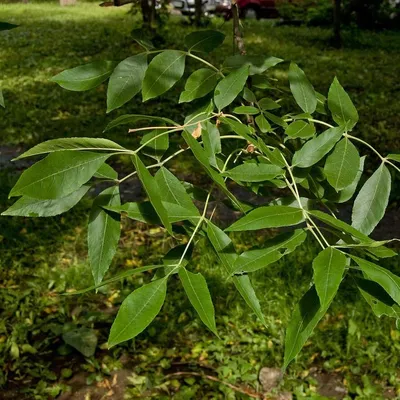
270	378
284	396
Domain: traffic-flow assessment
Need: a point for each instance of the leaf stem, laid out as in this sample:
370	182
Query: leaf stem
317	121
305	214
202	218
384	159
206	63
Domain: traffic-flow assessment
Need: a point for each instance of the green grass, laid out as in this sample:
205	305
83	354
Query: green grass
40	259
51	38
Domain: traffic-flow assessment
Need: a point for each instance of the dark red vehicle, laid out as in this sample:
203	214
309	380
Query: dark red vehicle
249	9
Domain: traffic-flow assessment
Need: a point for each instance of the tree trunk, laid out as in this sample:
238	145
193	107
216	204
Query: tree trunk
237	35
337	38
153	12
198	5
146	13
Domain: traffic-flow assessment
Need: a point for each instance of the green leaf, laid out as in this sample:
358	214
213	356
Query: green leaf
372	200
202	157
173	191
223	246
348	192
145	212
252	172
106	172
328	266
137	311
246	110
268	104
29	207
389	281
197	291
381	251
129	119
262	82
274	156
302	90
163	72
239	128
58	175
85	77
268	217
340	225
211	142
275	249
248	95
174	257
178	256
82	339
262	123
153	191
257	64
315	149
300	129
204	41
394	157
104	230
199	114
230	87
380	302
275	119
75	143
321	102
156	143
307	314
126	81
142	212
140	37
341	166
200	83
342	108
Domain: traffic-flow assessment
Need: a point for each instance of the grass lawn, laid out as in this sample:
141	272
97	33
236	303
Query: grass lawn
41	259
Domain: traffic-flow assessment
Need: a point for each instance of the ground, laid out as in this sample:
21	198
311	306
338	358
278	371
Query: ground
351	352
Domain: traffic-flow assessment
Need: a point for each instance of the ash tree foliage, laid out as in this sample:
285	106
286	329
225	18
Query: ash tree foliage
245	127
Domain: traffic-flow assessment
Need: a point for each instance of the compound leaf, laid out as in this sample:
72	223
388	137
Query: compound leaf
163	72
199	296
230	87
372	200
200	83
85	77
30	207
58	175
341	166
104	230
126	81
315	149
137	311
268	217
302	90
328	266
204	41
342	108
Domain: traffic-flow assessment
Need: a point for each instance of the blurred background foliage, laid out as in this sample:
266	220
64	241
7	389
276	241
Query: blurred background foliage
372	14
41	259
